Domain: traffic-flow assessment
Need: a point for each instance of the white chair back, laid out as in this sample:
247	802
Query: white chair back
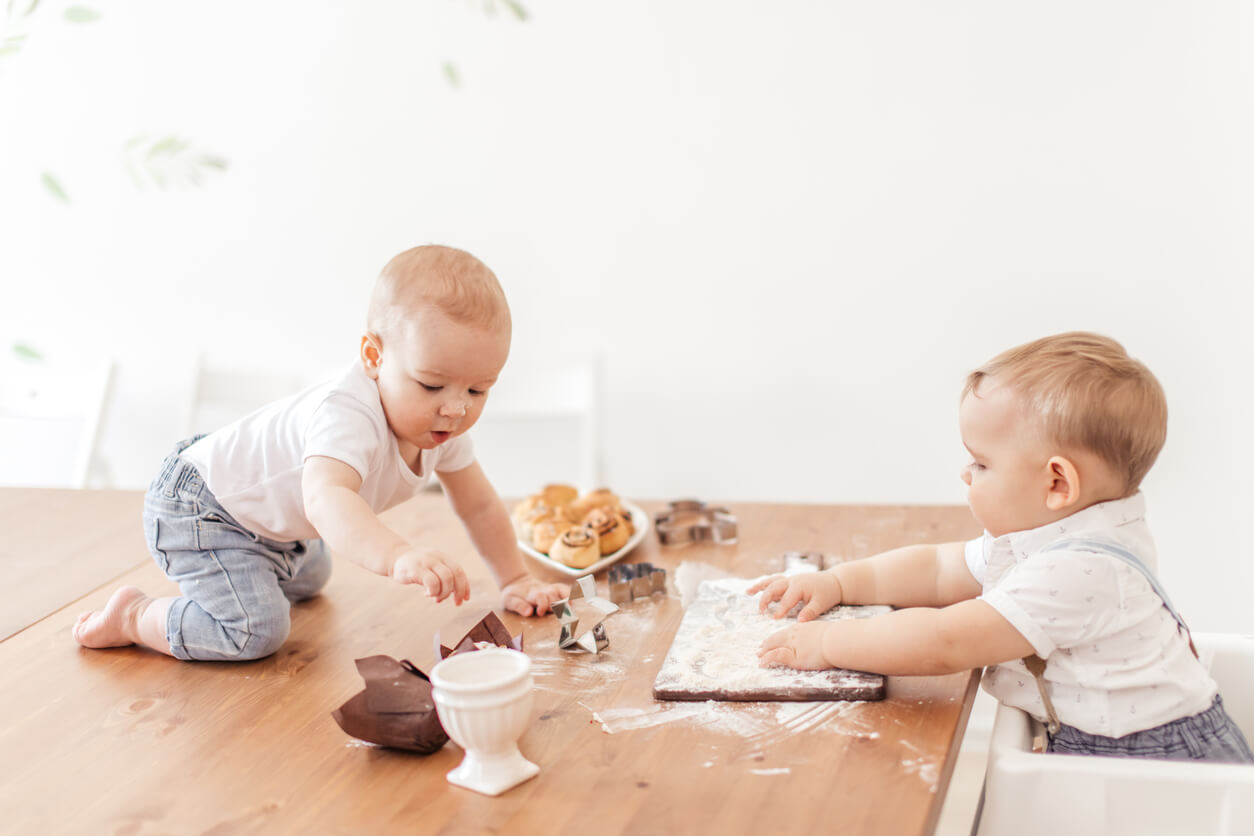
542	424
51	416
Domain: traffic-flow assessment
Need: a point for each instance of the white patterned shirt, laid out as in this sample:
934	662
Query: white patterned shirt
1116	662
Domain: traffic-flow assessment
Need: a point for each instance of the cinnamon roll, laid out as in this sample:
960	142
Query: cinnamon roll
577	547
522	510
599	498
537	514
609	529
544	532
558	495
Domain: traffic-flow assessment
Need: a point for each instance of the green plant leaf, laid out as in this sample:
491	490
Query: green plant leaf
167	161
11	45
169	145
517	8
54	187
81	14
451	75
30	9
26	352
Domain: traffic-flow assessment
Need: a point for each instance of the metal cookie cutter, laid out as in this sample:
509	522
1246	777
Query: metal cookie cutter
635	580
804	561
689	520
592	639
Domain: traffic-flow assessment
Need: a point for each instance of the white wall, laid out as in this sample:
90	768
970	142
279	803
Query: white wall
790	227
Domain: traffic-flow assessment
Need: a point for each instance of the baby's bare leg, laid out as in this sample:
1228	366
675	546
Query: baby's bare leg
130	617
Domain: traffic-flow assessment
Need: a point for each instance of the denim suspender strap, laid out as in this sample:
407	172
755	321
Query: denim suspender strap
1036	665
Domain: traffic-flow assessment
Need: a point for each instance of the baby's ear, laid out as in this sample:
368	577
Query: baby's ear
371	354
1063	483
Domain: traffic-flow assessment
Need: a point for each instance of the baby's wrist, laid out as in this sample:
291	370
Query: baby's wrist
521	576
839	587
827	648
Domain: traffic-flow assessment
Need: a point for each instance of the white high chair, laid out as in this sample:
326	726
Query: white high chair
1028	793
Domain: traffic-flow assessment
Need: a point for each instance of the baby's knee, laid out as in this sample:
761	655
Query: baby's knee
263	637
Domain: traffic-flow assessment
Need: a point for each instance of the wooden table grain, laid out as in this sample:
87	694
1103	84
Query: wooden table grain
57	545
127	741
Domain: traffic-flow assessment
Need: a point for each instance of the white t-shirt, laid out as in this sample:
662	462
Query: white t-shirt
254	465
1115	661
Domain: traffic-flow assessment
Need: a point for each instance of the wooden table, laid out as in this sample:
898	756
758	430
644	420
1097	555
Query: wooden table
128	741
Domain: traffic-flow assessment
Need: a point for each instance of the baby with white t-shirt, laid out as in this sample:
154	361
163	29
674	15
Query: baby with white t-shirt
1060	431
243	519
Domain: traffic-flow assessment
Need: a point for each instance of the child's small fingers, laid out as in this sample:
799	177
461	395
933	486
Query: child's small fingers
444	572
789	600
771	593
431	582
542	602
760	585
461	585
778	656
774	640
518	604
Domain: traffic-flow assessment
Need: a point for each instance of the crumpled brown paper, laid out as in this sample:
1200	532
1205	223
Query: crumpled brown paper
396	708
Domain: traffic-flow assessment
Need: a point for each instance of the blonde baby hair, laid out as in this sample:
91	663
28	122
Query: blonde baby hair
1087	393
451	280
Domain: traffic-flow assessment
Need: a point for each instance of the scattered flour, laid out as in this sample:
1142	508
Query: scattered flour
599	678
690	574
924	768
716	648
761	722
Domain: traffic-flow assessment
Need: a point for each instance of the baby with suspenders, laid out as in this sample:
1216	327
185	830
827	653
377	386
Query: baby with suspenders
1058	599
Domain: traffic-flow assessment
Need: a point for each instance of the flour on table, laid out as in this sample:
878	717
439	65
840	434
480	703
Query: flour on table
714	654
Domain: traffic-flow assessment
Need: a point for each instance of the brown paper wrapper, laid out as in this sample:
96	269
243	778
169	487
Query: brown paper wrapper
490	630
396	708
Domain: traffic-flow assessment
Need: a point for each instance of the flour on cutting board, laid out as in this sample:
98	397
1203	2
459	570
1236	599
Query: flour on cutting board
715	653
753	727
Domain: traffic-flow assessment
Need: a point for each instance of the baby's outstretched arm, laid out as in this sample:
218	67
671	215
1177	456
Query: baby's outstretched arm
349	526
920	641
912	576
487	522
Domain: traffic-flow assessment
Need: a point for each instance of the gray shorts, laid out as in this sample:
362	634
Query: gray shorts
237	587
1208	736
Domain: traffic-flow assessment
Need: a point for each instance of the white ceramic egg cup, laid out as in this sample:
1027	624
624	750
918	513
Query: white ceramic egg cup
484	699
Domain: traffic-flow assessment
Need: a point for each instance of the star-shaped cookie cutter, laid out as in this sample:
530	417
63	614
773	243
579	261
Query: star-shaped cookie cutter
688	520
592	639
635	580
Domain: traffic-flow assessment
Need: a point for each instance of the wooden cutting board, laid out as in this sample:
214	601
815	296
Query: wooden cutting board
714	654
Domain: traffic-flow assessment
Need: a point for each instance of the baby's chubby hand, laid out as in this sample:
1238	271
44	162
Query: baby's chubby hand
526	595
439	576
819	590
799	646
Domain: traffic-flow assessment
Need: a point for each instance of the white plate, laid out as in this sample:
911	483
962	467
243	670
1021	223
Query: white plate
639	520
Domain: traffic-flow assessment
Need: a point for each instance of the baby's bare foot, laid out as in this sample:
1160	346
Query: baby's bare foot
114	626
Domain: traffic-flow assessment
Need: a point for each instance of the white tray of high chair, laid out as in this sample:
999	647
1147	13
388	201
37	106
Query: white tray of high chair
1029	793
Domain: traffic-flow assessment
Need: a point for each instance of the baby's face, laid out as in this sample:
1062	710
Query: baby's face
1008	476
434	377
